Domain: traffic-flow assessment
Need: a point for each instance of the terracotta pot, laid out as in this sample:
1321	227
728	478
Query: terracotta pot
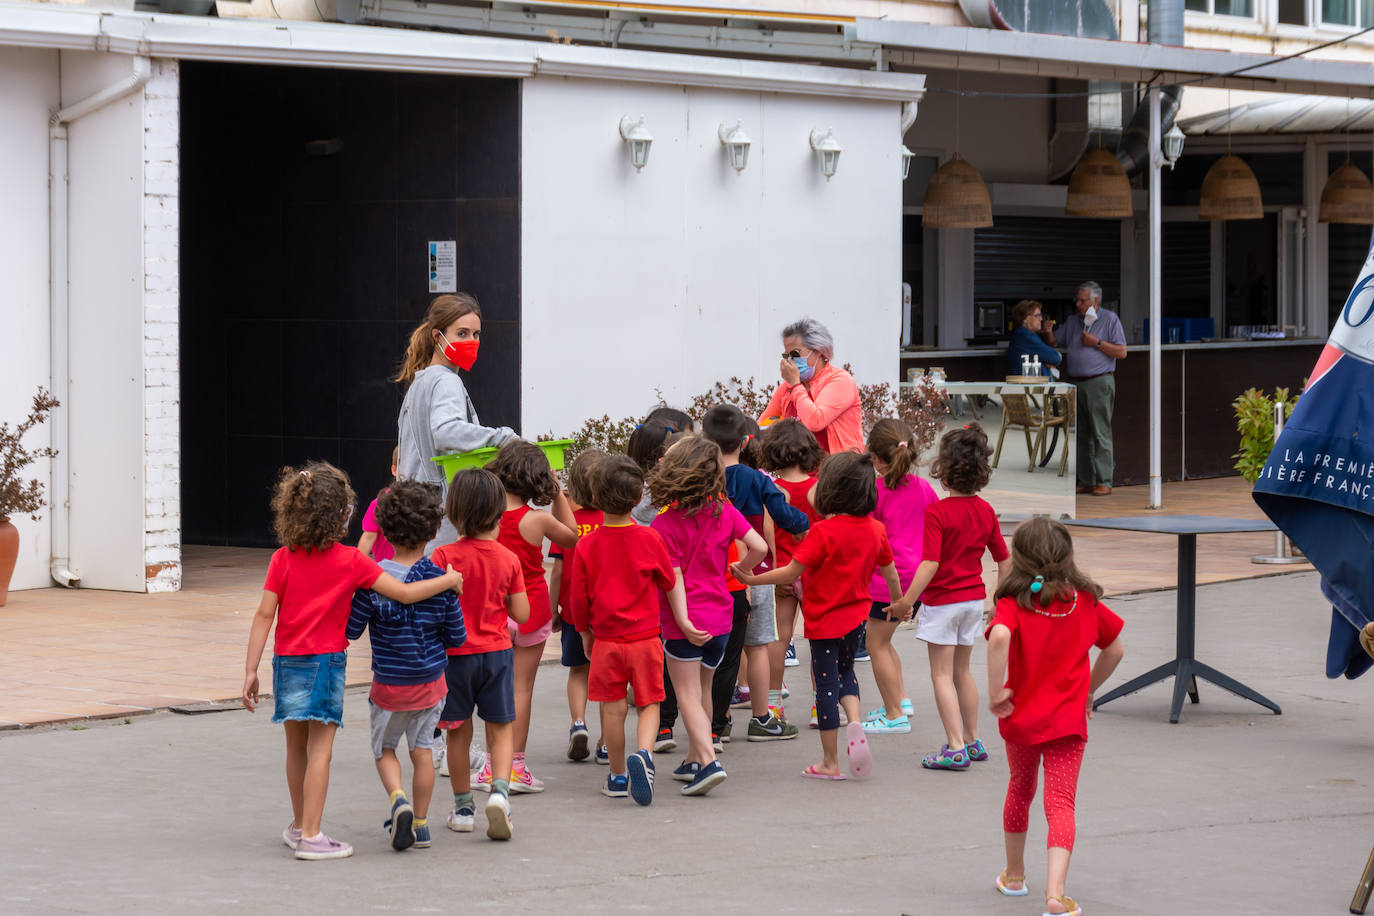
9	553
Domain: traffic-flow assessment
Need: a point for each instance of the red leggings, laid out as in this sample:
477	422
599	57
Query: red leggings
1063	757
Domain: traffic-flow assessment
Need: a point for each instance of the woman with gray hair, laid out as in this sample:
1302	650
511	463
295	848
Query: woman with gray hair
821	395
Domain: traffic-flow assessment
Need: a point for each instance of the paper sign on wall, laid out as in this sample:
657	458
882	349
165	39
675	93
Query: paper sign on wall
443	267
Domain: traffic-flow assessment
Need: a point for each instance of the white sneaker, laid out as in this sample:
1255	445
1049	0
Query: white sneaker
477	758
441	753
498	817
461	822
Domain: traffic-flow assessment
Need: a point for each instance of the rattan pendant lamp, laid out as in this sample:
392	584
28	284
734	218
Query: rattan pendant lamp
1099	187
1348	196
956	197
1230	189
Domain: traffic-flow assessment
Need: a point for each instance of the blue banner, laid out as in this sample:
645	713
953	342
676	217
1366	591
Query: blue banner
1318	483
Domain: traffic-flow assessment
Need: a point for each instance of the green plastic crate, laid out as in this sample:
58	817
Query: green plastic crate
478	457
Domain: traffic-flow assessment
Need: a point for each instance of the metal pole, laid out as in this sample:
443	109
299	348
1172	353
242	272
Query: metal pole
1283	555
1156	309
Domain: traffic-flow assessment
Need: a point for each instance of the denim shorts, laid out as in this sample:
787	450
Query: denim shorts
573	654
483	682
710	654
309	688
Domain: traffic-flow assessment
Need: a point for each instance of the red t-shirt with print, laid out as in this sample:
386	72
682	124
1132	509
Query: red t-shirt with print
588	520
491	574
958	530
620	571
314	590
840	555
1048	668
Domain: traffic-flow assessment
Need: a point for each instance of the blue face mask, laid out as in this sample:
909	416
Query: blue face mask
803	369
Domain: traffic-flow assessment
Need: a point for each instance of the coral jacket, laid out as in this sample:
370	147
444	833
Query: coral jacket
828	406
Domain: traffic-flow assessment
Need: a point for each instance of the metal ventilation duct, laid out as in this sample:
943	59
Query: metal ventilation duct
1165	27
1080	18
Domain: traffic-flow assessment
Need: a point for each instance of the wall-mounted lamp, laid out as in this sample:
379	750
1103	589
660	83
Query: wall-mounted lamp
1171	145
907	156
736	143
829	148
634	132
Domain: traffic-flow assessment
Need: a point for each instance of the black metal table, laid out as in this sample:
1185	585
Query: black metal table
1185	668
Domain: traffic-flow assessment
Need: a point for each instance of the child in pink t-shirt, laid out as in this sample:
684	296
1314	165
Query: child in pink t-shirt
949	582
373	542
698	525
308	593
1040	687
902	502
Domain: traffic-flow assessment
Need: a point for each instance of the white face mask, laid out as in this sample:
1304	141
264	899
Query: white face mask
1090	316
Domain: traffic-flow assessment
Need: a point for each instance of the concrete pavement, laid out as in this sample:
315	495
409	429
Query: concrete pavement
1232	811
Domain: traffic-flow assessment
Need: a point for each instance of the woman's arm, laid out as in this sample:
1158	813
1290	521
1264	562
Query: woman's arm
1048	354
257	640
453	425
415	592
784	576
999	694
776	404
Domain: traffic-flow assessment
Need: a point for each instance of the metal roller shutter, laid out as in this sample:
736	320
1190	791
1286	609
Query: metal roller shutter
1045	258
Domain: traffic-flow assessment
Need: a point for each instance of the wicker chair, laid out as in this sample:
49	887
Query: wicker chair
1017	413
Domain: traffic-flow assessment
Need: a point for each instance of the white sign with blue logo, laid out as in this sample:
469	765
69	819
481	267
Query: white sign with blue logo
443	267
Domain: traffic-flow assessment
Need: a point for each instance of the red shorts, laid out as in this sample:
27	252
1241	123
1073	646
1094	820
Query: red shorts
638	664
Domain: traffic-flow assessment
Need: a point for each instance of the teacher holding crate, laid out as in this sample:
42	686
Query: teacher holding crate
437	416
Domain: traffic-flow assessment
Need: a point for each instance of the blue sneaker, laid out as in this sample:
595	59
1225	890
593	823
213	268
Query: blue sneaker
616	786
422	840
641	777
603	756
790	659
687	772
710	776
399	825
578	739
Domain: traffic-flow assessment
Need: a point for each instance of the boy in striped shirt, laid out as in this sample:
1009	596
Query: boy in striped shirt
408	657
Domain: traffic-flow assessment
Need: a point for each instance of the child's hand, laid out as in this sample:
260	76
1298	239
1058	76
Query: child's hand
455	579
694	636
1090	706
587	641
250	691
899	610
1000	703
742	574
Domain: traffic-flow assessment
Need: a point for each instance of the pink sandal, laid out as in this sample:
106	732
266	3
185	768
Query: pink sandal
860	757
812	773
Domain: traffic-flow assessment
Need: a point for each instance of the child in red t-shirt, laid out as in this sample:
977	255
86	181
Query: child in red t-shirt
481	671
618	573
790	451
525	473
588	519
309	589
1040	687
839	556
949	583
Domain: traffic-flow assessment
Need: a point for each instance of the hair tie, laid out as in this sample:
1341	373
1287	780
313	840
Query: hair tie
1037	585
305	474
902	444
639	426
669	428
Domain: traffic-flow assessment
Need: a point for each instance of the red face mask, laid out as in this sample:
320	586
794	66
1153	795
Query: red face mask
462	353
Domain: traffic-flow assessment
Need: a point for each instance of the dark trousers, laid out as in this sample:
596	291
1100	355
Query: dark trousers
832	664
723	684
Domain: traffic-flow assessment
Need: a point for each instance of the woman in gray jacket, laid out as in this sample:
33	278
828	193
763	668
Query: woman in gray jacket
437	416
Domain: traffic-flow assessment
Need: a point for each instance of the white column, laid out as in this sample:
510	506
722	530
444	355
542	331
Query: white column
1156	309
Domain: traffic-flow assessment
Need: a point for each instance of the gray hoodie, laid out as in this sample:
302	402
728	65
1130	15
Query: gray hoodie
437	417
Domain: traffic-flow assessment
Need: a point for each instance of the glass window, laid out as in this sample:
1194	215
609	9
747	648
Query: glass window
1234	8
1293	12
1198	6
1338	12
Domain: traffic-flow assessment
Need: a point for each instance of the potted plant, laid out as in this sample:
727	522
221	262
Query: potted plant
1255	423
19	496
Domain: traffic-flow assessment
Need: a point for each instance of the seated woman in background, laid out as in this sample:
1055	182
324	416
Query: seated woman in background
1028	338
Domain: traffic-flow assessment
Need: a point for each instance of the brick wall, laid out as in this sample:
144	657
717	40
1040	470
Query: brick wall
161	370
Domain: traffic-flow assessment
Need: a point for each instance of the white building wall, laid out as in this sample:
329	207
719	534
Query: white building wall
28	91
683	274
161	367
106	288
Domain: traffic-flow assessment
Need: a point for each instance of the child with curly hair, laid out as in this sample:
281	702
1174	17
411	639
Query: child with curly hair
698	525
408	657
1040	687
524	471
309	589
949	583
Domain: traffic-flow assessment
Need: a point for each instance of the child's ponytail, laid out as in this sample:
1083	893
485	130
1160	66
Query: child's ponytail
443	312
892	441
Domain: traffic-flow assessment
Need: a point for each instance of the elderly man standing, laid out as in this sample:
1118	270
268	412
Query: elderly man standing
1094	340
